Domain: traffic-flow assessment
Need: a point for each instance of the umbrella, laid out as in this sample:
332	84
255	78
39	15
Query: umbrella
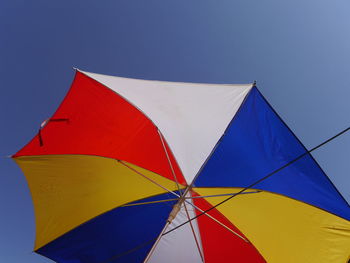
130	170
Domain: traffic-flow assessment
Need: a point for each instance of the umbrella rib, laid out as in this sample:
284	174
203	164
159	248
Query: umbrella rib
187	197
194	234
163	187
152	202
217	221
218	195
169	162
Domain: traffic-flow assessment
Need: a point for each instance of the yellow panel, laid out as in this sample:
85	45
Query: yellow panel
68	190
283	229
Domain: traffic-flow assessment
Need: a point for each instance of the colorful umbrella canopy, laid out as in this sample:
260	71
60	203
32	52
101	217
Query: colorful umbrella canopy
131	170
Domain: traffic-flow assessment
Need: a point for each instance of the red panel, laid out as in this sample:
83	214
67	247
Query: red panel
94	120
219	244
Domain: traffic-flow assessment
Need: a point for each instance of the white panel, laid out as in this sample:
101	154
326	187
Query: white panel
179	245
192	117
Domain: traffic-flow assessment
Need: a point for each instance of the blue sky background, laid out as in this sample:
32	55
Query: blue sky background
298	51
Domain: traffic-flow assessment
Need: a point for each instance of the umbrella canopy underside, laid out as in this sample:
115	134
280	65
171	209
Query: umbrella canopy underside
130	170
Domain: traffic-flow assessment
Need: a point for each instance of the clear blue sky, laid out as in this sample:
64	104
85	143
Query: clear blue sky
298	51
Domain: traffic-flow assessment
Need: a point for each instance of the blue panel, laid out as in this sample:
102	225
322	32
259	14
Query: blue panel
109	237
256	143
